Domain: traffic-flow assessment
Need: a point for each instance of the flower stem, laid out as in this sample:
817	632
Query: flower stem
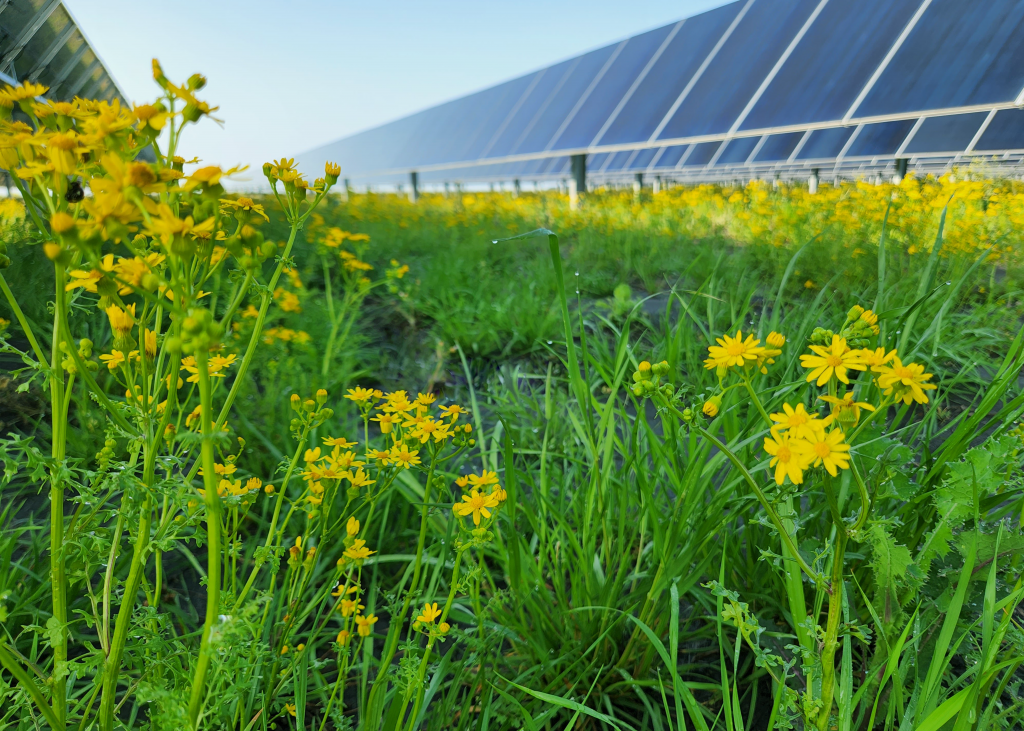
213	529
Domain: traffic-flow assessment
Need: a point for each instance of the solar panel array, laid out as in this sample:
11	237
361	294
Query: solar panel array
755	87
40	41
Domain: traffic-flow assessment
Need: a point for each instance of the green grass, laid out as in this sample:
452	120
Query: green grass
627	533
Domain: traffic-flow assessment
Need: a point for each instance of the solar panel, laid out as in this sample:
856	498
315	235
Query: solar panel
779	147
951	133
668	77
825	143
628	63
831	64
548	82
563	99
883	138
701	154
1004	132
778	85
671	156
729	81
737	151
643	158
959	53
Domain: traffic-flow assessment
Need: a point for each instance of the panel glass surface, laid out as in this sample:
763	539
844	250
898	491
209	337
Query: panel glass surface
961	52
562	100
606	95
831	64
1004	132
619	160
946	134
595	161
498	107
825	143
669	75
744	60
670	158
643	159
702	154
737	151
778	147
883	138
517	126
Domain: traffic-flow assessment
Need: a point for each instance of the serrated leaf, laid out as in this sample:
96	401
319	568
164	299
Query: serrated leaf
889	563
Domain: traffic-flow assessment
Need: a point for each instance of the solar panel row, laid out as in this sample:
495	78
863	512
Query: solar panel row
753	81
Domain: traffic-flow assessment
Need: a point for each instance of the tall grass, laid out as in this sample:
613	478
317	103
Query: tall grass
636	580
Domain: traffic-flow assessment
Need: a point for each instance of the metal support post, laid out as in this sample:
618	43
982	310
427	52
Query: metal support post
578	182
516	188
812	182
414	186
638	185
901	170
656	188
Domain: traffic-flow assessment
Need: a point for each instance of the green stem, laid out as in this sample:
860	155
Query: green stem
763	499
757	402
58	580
831	644
422	670
22	320
213	537
26	682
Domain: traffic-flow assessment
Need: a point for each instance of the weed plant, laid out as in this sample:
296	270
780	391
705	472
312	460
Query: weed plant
756	465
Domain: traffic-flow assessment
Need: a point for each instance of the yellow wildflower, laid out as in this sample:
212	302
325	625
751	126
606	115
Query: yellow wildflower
476	504
834	360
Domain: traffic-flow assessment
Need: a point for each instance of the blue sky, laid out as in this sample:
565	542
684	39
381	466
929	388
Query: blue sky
289	76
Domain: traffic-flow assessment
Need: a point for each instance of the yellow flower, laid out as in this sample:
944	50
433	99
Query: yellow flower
869	317
476	504
797	422
359	479
381	456
831	450
429	614
484	479
733	351
845	410
365	624
358	550
343	637
454	411
113	360
361	395
348	606
906	382
775	340
339	442
311	455
121	321
873	358
386	422
835	360
27	90
711	406
403	456
790	457
290	707
352	527
242	204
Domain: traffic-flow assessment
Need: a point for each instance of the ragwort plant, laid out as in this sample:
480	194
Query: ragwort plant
281	623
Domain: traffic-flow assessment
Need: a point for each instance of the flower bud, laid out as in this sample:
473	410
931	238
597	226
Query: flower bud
331	172
645	371
296	402
309	405
321	396
711	406
855	312
269	489
775	340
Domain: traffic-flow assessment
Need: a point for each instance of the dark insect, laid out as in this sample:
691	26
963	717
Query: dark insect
75	192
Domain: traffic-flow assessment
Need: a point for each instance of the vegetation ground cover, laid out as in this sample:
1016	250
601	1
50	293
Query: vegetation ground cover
720	457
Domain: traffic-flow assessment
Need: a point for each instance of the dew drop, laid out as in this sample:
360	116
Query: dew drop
494	241
577	272
550	342
948	283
